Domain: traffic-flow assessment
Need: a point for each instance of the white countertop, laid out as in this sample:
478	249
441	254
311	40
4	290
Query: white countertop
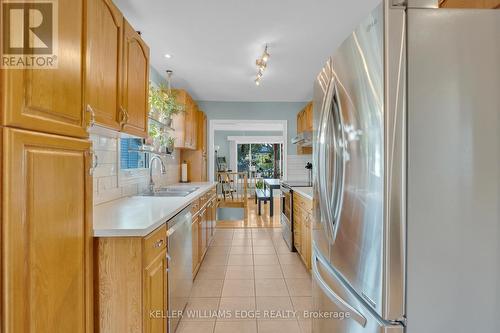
306	192
137	216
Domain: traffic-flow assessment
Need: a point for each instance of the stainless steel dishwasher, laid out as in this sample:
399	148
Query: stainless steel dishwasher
180	278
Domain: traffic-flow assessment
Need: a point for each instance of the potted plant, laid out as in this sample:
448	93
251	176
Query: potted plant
155	135
170	145
309	168
163	104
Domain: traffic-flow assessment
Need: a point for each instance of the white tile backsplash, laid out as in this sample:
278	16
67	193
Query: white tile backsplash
296	167
110	183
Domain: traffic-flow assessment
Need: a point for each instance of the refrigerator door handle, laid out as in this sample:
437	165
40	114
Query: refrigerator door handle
323	166
341	151
354	314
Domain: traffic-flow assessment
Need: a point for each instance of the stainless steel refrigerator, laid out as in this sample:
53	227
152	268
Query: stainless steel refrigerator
406	148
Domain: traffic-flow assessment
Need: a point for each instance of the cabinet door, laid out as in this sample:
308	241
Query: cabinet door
135	88
297	228
203	233
194	126
188	122
155	295
179	120
178	123
299	122
308	244
308	118
304	240
191	124
195	240
104	61
211	218
208	222
50	100
485	4
46	233
202	132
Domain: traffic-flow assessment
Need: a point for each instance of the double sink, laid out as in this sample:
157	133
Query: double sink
170	191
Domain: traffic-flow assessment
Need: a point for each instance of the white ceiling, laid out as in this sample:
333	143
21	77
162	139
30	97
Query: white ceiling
214	44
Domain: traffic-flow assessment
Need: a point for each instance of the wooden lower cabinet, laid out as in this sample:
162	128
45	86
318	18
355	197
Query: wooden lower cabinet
203	227
195	245
306	241
131	283
46	234
297	230
155	295
302	219
203	233
481	4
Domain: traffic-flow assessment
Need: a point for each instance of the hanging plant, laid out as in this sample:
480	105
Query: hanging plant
154	131
164	102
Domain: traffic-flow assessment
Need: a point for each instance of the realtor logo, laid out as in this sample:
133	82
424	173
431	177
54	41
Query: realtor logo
29	34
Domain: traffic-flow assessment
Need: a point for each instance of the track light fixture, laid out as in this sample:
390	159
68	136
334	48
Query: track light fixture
261	64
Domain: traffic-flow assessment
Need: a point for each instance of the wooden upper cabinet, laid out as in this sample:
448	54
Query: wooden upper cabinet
117	85
202	132
300	126
104	62
308	118
485	4
192	125
186	123
46	233
197	159
305	124
51	100
135	83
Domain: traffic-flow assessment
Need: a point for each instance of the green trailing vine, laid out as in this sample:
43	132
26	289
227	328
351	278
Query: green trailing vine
163	102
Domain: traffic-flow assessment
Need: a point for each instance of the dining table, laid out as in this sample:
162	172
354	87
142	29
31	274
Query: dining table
271	184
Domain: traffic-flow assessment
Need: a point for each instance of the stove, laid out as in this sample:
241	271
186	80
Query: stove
286	216
296	183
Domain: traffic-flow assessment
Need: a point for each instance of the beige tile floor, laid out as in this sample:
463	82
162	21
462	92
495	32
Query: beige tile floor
249	272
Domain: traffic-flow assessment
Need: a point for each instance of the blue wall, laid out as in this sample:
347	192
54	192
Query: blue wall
257	111
156	77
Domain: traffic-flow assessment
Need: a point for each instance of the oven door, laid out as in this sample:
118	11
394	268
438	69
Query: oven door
286	216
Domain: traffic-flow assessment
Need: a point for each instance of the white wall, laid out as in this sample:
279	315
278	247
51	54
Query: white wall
110	183
296	167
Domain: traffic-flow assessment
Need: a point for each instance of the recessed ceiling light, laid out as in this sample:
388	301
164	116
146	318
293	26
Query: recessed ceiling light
168	56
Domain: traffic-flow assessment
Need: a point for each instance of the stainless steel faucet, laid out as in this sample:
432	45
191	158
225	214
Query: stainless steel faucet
151	164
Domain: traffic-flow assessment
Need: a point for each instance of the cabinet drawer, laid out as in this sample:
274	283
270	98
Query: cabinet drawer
302	202
300	214
195	207
203	199
155	243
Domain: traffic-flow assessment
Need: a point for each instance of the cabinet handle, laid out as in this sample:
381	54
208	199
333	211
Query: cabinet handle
168	256
95	162
124	116
158	243
90	111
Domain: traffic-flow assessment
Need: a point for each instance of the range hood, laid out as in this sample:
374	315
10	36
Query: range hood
304	139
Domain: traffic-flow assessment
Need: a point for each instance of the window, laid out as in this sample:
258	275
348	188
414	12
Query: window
262	158
130	157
